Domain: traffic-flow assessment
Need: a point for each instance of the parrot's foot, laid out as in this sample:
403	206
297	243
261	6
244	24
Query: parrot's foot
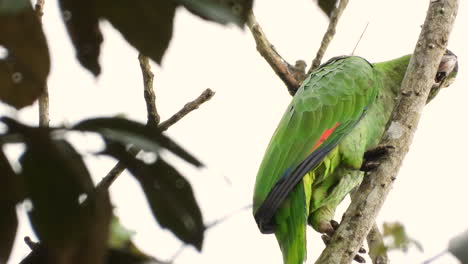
372	156
329	230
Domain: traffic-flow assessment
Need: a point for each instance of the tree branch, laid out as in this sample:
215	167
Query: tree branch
329	34
292	76
188	107
44	97
114	173
150	97
415	89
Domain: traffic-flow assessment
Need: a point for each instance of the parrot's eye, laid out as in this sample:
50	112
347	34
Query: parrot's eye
440	76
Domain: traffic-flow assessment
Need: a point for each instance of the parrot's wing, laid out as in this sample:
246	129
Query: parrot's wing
330	102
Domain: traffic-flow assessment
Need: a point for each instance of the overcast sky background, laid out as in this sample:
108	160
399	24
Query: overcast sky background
230	132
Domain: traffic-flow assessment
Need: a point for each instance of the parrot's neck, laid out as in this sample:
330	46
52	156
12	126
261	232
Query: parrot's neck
391	72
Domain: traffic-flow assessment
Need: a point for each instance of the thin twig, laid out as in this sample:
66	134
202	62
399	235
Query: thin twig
428	261
44	97
40	8
292	76
150	97
188	107
227	217
415	88
114	173
359	40
328	36
106	182
31	244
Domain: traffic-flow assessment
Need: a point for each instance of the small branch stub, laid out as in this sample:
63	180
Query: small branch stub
292	76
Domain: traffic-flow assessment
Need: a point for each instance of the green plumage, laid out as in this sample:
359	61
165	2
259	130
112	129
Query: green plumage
349	93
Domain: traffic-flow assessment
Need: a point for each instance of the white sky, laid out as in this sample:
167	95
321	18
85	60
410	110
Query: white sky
230	132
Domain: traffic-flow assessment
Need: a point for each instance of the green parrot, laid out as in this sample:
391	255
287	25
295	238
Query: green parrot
315	156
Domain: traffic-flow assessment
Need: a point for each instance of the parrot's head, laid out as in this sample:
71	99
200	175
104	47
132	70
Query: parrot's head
448	69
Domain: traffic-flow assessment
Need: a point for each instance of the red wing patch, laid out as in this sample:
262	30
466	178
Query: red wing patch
324	136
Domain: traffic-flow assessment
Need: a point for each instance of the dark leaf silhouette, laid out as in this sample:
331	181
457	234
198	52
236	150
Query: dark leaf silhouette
146	25
82	25
327	6
9	195
221	11
8	225
169	195
24	56
130	132
70	220
458	246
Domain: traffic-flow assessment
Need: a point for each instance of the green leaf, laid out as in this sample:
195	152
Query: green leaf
25	63
221	11
327	6
130	132
458	246
122	250
398	237
120	236
169	195
82	25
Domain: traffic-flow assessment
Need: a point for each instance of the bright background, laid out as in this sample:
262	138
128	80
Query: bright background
230	132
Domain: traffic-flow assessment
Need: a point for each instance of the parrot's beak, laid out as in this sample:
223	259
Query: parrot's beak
448	69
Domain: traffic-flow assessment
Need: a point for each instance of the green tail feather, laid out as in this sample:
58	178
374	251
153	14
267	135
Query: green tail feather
291	229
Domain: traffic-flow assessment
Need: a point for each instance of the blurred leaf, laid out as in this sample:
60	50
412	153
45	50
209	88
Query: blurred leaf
25	64
119	236
82	25
119	256
56	179
13	6
221	11
169	194
8	225
398	237
327	6
11	187
9	196
122	250
458	246
71	220
130	132
146	25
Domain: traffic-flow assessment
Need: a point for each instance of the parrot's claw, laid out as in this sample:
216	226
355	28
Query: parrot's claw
372	156
328	233
359	259
334	224
369	165
378	152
